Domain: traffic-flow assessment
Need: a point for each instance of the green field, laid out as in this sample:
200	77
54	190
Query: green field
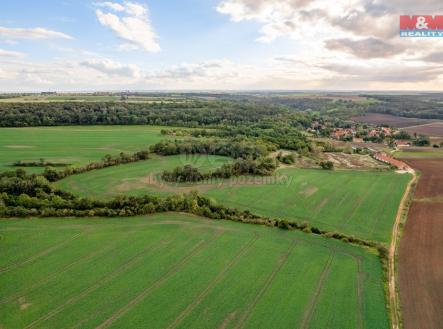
89	98
360	203
180	271
137	178
363	204
77	145
60	98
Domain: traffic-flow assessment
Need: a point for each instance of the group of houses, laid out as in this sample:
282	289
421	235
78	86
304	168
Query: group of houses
374	132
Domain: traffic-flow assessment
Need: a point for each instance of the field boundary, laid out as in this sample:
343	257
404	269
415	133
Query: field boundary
394	305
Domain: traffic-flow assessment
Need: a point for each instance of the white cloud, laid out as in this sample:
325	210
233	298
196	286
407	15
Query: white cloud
33	34
112	68
100	73
353	42
131	23
12	54
364	48
111	5
368	18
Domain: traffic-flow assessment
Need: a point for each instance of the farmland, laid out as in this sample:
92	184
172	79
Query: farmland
116	98
184	272
420	261
391	120
125	247
434	129
136	178
357	203
77	145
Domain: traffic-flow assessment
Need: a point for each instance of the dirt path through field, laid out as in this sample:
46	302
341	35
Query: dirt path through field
420	263
393	298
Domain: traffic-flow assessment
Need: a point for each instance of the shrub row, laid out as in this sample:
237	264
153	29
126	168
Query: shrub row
188	173
53	175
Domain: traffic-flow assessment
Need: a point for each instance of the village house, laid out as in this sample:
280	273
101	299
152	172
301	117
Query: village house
339	133
402	143
390	161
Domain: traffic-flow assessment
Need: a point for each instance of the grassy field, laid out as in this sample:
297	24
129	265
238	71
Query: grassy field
60	98
417	153
87	98
137	178
363	204
180	271
359	203
76	145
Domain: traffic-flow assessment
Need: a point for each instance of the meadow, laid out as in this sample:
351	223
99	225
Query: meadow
137	178
76	145
360	203
88	98
363	204
181	271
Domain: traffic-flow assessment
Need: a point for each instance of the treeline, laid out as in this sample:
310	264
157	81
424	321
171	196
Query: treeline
23	195
234	148
189	113
40	163
283	137
247	150
188	173
53	175
425	106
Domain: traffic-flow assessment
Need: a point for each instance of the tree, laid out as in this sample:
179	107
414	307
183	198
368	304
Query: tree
422	141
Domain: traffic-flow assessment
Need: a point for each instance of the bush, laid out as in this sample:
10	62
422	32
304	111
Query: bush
327	165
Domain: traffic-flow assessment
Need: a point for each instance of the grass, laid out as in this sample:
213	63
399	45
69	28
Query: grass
363	204
88	98
77	145
180	271
59	98
136	178
360	203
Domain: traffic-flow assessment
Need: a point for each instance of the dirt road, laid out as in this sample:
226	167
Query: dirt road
393	298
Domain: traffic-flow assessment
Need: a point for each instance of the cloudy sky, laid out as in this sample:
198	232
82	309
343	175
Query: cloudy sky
80	45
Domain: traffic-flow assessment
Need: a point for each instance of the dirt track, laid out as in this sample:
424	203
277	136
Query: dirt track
420	264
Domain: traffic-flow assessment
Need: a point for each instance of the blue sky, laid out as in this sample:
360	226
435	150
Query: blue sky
211	44
188	30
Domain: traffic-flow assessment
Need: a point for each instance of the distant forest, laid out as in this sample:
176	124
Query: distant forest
425	106
193	113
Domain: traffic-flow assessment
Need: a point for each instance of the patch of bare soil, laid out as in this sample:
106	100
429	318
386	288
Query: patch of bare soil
23	303
19	146
391	120
309	191
353	161
434	129
420	263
